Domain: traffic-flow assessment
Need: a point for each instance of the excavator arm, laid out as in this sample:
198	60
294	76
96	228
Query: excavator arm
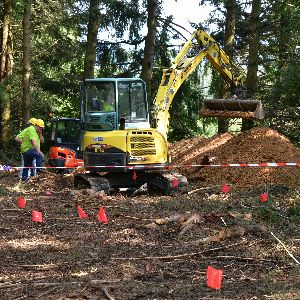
199	46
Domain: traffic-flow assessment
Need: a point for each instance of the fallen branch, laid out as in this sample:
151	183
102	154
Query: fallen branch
245	258
46	292
180	255
190	222
197	190
285	248
9	285
133	217
40	267
105	281
108	296
224	233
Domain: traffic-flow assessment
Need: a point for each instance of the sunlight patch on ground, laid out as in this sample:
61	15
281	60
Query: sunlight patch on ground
29	244
127	235
82	273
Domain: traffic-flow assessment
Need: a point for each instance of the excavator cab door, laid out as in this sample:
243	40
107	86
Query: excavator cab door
64	143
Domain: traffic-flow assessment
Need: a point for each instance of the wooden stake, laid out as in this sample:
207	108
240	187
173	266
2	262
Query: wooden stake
285	248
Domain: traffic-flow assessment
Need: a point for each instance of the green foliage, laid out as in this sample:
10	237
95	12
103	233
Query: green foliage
125	20
59	28
4	191
293	211
280	84
2	93
57	61
185	109
284	100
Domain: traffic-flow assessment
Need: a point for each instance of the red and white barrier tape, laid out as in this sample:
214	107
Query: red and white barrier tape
144	167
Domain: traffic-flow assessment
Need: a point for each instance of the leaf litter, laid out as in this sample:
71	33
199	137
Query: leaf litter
159	247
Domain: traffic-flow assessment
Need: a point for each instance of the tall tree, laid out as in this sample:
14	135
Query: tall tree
254	27
280	57
146	73
6	69
230	24
26	61
91	44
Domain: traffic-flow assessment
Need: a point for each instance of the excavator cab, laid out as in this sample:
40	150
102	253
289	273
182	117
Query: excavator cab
109	104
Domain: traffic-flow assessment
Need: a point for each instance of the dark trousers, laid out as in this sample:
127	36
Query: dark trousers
28	157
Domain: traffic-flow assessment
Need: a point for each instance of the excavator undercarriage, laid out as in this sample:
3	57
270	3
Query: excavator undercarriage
162	182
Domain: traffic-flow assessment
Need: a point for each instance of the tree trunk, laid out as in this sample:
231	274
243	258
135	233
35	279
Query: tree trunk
253	55
26	62
5	70
230	21
146	73
91	44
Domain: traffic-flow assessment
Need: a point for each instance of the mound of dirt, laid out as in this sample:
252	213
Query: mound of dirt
258	145
48	181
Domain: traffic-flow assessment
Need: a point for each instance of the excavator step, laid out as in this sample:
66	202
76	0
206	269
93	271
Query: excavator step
233	108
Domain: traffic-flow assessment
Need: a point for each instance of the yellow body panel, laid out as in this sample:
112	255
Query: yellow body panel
106	139
141	146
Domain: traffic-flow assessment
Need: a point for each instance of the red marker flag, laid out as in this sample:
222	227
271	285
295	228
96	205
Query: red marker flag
134	177
175	183
81	212
48	193
21	202
102	216
37	216
214	278
225	188
264	197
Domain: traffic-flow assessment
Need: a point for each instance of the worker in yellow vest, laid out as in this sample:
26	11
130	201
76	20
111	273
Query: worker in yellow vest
29	138
32	172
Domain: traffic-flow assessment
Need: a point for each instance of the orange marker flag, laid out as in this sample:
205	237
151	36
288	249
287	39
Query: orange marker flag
21	202
225	188
102	216
175	183
37	216
134	177
214	278
81	212
264	197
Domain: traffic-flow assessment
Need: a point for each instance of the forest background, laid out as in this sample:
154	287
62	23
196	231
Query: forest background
48	47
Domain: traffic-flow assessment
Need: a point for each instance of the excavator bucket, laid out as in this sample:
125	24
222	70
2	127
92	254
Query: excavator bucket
233	108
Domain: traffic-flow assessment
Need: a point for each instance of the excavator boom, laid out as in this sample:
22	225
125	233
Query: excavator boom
119	146
200	46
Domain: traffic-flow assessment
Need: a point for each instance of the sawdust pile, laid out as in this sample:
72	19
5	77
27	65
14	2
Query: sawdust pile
258	145
50	181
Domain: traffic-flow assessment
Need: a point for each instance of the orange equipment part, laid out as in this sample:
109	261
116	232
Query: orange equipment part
64	157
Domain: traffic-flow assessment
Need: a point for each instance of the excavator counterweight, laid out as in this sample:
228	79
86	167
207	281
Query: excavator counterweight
233	108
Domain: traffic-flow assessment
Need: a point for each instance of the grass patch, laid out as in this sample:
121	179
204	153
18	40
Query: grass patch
4	191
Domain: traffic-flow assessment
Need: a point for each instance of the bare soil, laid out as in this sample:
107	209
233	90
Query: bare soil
159	247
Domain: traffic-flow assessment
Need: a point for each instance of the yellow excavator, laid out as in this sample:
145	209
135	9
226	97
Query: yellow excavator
121	149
